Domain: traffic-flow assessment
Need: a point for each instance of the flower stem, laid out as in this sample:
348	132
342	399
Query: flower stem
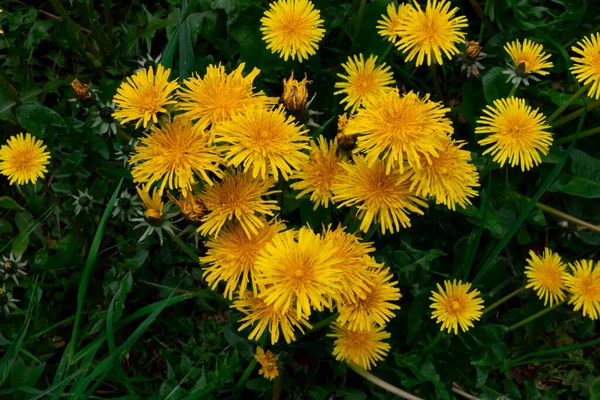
386	53
513	90
74	226
503	300
359	18
589	132
322	324
533	317
562	215
575	114
183	246
562	108
436	83
382	384
433	342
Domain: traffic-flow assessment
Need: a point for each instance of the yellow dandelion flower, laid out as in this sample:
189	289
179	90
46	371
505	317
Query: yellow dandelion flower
396	129
531	55
378	196
456	305
317	175
295	94
267	142
292	28
429	33
389	26
231	256
268	363
376	308
295	271
152	203
217	96
584	285
547	275
143	96
173	154
586	67
237	197
354	262
364	348
517	133
449	178
192	208
261	316
364	81
23	159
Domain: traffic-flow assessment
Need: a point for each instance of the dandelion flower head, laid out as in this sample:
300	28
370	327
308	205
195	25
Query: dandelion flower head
456	305
547	275
24	159
586	66
364	348
584	285
268	363
531	55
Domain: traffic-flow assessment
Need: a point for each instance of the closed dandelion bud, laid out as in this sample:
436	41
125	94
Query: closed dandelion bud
470	58
7	300
295	94
473	49
346	142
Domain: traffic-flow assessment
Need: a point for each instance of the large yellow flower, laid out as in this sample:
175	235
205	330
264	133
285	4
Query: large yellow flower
217	96
363	347
268	363
364	81
429	33
232	255
265	142
586	67
262	316
547	275
354	261
376	308
396	129
237	197
517	133
449	178
530	54
23	159
292	28
143	96
295	271
389	26
317	175
172	154
584	285
385	198
456	306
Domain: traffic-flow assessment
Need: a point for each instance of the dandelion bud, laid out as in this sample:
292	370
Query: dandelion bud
295	94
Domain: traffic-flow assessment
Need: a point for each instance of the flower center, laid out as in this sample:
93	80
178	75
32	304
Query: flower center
153	215
590	289
455	305
148	100
595	64
124	203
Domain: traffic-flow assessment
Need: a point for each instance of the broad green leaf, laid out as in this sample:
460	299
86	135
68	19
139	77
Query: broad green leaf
495	85
583	178
36	118
25	375
9	203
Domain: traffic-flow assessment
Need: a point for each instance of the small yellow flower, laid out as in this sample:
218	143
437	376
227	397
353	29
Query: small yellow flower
218	96
316	176
547	275
192	208
363	347
173	154
586	66
456	306
397	128
262	316
23	159
584	285
429	33
152	203
292	28
268	363
449	178
389	26
231	257
237	197
294	271
378	196
518	133
364	81
531	55
143	96
265	142
82	91
295	94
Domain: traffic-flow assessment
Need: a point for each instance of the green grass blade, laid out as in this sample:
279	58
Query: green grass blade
186	48
87	270
556	351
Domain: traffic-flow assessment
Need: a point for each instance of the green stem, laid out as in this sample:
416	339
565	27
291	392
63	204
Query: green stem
513	90
433	342
503	300
74	226
562	108
486	204
369	234
575	114
436	83
386	53
250	367
586	133
9	89
563	215
485	22
323	324
533	317
382	384
557	351
359	18
277	386
183	246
